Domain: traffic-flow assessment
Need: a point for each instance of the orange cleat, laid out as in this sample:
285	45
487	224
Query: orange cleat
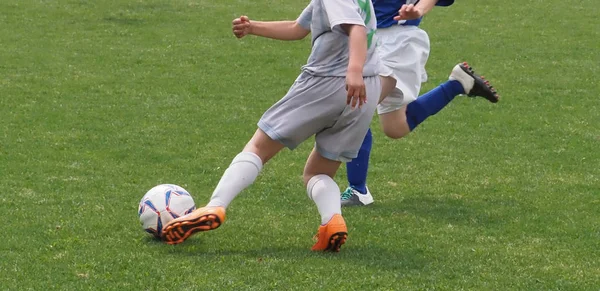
202	219
332	235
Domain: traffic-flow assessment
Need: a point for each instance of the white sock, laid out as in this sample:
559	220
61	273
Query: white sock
461	76
241	173
326	195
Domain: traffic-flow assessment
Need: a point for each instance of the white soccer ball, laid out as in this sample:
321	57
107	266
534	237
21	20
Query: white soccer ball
162	204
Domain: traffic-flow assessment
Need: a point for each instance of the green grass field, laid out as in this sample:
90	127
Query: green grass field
102	100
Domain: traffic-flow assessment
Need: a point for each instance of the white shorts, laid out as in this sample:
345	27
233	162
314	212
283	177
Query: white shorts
403	51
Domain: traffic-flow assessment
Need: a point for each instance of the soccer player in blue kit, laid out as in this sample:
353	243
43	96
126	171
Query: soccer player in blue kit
403	50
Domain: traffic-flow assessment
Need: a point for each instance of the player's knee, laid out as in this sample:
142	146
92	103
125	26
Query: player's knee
396	132
263	146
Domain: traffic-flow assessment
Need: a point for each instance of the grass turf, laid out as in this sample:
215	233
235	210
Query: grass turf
101	100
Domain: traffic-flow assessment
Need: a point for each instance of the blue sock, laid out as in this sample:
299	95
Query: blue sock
432	102
357	169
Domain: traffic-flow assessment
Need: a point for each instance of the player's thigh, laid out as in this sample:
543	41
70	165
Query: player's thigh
319	165
263	146
394	123
342	140
311	105
388	84
404	52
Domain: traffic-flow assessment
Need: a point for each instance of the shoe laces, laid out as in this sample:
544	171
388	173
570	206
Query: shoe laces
347	194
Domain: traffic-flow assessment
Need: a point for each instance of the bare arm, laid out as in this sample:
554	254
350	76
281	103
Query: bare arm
411	11
357	50
426	5
357	46
281	30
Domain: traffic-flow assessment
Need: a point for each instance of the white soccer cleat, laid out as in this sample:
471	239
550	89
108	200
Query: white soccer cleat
351	197
473	84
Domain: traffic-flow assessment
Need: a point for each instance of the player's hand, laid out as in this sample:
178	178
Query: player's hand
241	26
409	12
355	85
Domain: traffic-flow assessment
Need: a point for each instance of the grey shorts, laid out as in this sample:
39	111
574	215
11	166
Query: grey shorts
317	106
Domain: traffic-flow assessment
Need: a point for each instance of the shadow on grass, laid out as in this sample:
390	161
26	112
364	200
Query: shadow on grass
377	234
484	211
284	248
363	256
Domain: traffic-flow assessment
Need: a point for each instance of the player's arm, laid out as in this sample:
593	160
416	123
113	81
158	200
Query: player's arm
346	15
357	50
281	30
357	46
414	11
425	6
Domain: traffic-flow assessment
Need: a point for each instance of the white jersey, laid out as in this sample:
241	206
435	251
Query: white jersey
329	56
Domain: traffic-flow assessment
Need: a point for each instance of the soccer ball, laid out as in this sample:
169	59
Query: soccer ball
162	204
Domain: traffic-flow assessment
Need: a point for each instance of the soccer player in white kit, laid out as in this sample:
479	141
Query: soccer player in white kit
327	100
404	49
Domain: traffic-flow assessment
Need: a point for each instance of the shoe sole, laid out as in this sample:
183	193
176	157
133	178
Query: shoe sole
178	232
336	241
482	87
353	203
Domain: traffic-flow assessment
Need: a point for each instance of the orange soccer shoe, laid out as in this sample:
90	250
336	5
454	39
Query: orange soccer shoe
201	219
332	235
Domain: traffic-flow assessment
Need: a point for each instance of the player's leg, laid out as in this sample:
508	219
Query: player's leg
357	170
244	168
399	123
391	50
394	123
403	56
275	131
335	144
388	84
463	80
325	192
357	193
405	52
240	174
